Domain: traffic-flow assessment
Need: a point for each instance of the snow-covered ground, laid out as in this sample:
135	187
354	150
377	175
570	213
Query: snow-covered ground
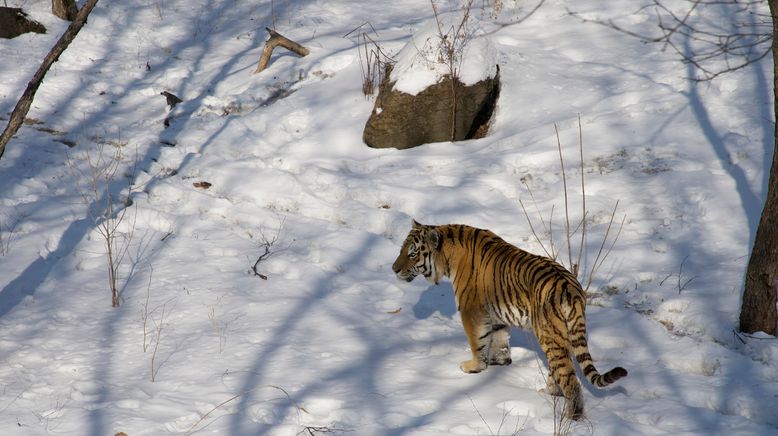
331	341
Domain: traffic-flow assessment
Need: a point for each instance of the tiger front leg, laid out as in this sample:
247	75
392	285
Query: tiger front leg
478	333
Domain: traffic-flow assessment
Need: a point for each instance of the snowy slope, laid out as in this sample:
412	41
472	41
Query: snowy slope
331	341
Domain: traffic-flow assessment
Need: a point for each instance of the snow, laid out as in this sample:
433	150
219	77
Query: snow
425	60
332	340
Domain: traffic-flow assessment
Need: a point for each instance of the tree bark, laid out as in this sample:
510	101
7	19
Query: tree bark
758	311
275	40
24	103
65	9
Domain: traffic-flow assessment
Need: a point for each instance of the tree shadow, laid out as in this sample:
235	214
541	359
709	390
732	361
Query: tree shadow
367	374
748	385
109	112
750	202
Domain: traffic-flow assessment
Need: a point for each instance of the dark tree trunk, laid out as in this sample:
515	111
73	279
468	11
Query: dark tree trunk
65	9
758	312
24	103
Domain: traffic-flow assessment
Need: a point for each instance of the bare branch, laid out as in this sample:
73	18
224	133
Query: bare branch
567	212
608	242
275	40
234	397
267	245
680	282
597	261
532	229
583	196
106	213
24	103
713	48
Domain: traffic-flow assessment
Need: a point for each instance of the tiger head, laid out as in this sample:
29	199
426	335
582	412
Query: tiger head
420	254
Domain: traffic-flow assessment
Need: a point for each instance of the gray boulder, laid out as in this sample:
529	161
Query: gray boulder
401	120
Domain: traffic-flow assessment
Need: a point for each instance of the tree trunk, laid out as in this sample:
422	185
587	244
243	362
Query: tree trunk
758	312
24	103
65	9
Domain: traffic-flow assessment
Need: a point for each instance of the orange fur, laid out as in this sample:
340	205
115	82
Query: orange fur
497	285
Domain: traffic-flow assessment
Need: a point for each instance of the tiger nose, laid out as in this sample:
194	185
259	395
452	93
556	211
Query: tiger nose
395	268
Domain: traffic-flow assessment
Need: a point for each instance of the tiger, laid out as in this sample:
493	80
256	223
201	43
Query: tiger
498	285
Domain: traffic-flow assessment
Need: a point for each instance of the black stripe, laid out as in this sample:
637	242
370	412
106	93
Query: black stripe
583	357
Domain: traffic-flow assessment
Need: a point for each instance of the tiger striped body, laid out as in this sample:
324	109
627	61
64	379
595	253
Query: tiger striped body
496	286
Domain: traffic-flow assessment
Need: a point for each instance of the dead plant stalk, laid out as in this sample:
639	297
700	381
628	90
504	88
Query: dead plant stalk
107	215
607	244
451	50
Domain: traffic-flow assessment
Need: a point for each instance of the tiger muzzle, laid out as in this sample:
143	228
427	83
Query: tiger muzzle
402	275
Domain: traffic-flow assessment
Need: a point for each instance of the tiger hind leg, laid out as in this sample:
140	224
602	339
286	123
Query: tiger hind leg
499	347
552	388
562	378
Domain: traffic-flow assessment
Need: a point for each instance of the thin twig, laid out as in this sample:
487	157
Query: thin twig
264	256
583	198
234	397
681	287
359	27
373	66
532	228
748	41
604	250
567	212
188	432
145	313
267	244
450	52
596	265
679	275
159	327
480	416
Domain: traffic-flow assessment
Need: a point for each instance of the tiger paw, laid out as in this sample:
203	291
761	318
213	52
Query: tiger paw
472	366
552	388
502	361
501	356
574	411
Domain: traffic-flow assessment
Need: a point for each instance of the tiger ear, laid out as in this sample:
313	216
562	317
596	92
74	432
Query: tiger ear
435	239
415	224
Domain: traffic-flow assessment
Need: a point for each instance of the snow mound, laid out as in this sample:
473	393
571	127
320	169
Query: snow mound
424	60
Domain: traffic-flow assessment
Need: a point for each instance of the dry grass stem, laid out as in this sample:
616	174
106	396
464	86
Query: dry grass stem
575	265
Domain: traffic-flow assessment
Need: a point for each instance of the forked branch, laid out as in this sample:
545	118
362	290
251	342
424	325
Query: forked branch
275	40
267	244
